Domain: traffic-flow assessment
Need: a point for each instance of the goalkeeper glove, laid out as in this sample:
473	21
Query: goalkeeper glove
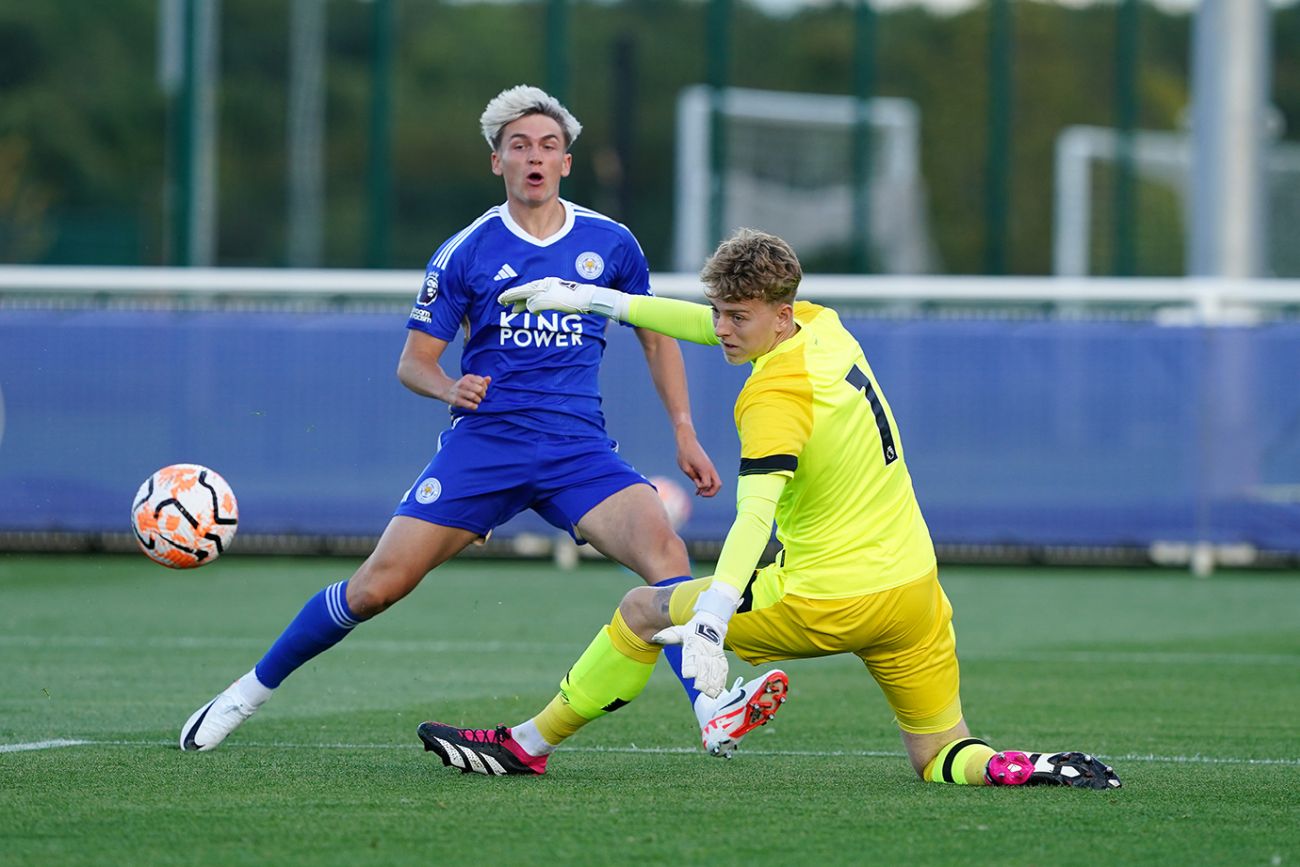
552	293
701	638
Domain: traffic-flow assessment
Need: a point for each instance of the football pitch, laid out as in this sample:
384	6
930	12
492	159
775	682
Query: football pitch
1189	687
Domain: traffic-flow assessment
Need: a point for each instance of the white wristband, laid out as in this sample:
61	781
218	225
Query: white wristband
609	303
720	600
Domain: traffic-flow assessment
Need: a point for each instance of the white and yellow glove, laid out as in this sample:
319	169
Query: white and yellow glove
701	638
552	293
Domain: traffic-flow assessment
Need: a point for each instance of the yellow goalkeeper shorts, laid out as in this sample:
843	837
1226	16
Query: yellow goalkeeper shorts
904	635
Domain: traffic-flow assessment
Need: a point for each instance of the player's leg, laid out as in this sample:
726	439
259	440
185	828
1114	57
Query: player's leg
954	756
949	756
631	526
759	632
408	549
915	664
598	683
913	657
469	487
611	672
599	498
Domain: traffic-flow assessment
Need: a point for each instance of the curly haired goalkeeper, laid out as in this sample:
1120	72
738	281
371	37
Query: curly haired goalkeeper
822	456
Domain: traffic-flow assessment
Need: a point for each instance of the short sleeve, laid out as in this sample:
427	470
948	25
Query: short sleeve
440	306
774	417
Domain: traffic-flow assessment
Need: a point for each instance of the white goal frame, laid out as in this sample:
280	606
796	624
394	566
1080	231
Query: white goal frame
896	143
1165	156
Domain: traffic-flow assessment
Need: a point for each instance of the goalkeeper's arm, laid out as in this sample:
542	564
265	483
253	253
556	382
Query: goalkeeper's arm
756	498
683	320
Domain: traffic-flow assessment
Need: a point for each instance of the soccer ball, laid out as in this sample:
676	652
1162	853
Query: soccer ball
184	516
676	501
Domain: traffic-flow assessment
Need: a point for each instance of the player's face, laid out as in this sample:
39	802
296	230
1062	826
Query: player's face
532	160
751	328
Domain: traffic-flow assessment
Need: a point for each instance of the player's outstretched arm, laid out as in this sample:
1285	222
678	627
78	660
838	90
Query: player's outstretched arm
552	293
683	320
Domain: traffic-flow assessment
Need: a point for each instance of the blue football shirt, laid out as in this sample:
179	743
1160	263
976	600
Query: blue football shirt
543	366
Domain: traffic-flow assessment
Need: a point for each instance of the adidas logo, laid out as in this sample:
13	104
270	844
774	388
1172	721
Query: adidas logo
480	763
505	273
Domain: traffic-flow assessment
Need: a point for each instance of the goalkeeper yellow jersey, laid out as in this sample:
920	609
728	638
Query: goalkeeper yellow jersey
848	519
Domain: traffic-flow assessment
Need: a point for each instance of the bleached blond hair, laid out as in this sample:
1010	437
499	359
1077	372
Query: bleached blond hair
520	101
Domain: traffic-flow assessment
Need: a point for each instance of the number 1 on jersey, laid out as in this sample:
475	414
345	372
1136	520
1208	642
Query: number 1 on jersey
859	380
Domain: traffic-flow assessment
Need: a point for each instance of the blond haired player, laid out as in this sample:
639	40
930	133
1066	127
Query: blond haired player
821	455
527	431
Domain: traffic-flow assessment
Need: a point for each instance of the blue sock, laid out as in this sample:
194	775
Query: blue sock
673	652
322	623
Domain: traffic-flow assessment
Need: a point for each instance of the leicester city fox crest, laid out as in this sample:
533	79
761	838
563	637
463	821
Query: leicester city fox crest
590	265
429	490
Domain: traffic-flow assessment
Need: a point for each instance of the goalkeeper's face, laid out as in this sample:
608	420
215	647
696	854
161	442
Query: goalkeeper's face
532	159
751	328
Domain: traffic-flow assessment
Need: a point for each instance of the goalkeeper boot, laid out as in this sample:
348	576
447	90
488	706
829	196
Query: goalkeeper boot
738	712
1080	770
490	752
208	726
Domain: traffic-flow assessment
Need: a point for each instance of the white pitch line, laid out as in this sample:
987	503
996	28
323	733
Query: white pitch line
42	745
636	750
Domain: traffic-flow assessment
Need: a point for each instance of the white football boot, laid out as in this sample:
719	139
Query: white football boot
208	726
739	711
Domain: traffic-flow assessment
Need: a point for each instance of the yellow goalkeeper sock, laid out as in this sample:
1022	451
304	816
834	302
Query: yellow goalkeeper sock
961	762
610	673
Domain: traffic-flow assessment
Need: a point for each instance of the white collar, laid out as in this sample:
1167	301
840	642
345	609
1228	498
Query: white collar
523	235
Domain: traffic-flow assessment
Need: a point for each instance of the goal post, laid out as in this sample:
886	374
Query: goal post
1161	164
789	171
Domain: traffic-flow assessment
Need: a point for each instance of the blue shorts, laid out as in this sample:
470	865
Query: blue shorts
488	470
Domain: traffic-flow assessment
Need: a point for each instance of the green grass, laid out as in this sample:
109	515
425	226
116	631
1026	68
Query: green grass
1190	688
